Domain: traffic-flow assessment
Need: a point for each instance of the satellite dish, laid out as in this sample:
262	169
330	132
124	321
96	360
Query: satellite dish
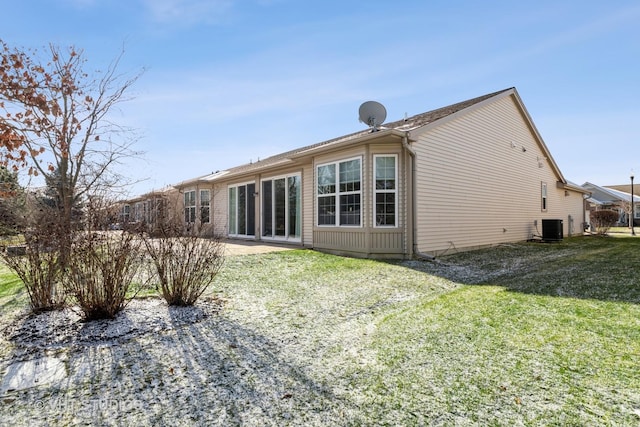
373	114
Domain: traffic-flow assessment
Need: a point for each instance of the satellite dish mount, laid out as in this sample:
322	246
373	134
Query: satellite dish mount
373	114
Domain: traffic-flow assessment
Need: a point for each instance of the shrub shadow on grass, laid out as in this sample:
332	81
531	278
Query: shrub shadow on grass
212	371
585	267
250	381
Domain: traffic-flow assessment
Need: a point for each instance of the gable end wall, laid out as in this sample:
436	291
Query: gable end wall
479	182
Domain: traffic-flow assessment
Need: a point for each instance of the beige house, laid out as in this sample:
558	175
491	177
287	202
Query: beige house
469	175
151	209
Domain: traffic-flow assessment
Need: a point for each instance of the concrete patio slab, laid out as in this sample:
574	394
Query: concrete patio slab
249	247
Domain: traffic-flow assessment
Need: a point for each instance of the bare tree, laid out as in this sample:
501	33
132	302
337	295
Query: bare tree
55	121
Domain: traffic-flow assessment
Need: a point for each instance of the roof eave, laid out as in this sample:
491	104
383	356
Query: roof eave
367	137
511	92
316	150
534	129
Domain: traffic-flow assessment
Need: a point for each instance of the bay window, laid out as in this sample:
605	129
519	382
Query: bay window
385	190
339	193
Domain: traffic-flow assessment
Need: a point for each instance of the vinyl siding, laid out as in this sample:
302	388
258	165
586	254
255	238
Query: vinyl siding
307	204
479	181
220	209
365	240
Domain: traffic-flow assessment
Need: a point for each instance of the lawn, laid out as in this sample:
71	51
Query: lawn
519	334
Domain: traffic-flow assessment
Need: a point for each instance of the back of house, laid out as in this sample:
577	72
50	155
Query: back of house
468	175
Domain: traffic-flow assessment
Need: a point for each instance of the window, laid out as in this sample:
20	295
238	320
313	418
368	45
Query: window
146	211
339	193
294	186
281	210
126	210
190	206
242	209
205	206
385	191
543	196
327	195
137	211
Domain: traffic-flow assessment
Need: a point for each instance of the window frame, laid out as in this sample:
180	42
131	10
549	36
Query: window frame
288	236
326	193
339	194
191	207
376	191
202	207
126	213
248	195
544	197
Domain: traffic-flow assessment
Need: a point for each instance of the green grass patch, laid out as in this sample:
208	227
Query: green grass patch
520	334
486	355
12	291
584	267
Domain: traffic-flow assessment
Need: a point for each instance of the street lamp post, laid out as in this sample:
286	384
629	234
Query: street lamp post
633	231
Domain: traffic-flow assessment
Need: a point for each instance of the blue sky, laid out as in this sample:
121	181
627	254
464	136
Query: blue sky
231	81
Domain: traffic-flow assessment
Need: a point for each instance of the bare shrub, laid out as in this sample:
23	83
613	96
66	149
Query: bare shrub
37	262
603	220
184	265
39	270
101	272
103	266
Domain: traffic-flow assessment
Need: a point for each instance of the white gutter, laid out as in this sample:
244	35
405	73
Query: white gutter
412	196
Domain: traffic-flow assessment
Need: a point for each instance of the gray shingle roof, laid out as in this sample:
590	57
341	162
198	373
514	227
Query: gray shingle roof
423	119
407	124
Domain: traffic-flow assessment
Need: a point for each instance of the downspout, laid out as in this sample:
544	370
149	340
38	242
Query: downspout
585	205
412	198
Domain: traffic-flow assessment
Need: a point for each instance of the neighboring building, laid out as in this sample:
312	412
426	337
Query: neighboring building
150	209
625	188
613	199
473	174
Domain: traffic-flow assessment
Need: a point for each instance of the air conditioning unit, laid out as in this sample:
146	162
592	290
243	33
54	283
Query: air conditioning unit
552	230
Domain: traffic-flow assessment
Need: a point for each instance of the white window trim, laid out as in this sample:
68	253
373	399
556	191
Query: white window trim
236	185
262	225
338	193
194	206
544	196
200	206
376	191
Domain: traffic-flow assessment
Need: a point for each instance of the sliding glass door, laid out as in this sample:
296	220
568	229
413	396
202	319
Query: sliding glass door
281	208
242	208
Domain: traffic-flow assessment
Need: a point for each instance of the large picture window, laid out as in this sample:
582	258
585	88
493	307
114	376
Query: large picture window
385	191
281	207
339	193
242	210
